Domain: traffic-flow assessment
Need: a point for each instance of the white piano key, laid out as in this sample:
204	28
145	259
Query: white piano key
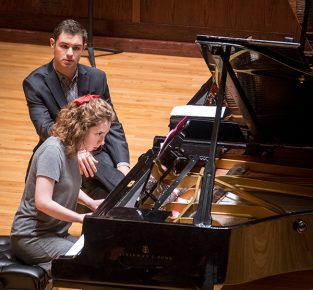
77	247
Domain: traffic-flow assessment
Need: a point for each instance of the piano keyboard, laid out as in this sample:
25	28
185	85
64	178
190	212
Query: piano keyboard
77	247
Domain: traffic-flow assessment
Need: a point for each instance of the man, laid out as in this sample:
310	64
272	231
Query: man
53	85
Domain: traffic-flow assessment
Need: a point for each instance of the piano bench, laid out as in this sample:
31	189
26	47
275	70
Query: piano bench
15	274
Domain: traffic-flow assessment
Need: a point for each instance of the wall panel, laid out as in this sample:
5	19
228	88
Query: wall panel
158	20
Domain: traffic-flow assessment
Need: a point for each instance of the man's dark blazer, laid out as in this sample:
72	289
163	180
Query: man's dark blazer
45	98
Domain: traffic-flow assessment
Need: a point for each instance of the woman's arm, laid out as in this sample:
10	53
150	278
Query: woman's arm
45	203
86	200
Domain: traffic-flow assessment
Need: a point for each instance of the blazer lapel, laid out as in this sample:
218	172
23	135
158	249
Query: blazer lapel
53	83
83	81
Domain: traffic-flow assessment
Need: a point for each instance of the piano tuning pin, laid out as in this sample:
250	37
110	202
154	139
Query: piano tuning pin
300	226
145	249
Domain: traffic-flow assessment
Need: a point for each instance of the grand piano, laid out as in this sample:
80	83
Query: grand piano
227	197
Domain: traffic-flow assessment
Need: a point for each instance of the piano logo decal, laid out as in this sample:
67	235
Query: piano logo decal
145	249
144	256
204	158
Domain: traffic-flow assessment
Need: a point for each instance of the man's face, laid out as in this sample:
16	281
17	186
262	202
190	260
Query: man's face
67	51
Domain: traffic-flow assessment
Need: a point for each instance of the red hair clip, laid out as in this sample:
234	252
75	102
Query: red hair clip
85	99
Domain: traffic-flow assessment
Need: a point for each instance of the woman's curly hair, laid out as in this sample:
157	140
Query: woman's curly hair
74	121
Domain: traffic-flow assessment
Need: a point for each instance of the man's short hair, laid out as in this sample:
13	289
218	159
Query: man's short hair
70	26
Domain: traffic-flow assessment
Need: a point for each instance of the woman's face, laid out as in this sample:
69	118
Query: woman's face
95	136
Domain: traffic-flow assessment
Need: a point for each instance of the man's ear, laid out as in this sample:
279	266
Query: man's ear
85	46
52	42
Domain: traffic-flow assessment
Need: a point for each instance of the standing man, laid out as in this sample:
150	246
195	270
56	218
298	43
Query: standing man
52	86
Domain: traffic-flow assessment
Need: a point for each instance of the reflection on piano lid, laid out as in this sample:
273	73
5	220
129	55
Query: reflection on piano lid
228	199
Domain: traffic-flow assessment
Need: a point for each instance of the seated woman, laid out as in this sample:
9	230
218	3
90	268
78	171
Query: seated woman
47	209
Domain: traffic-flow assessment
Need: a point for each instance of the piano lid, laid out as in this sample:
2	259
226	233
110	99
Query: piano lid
269	87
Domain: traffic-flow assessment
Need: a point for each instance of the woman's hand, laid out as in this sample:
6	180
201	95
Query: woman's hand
87	163
94	204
